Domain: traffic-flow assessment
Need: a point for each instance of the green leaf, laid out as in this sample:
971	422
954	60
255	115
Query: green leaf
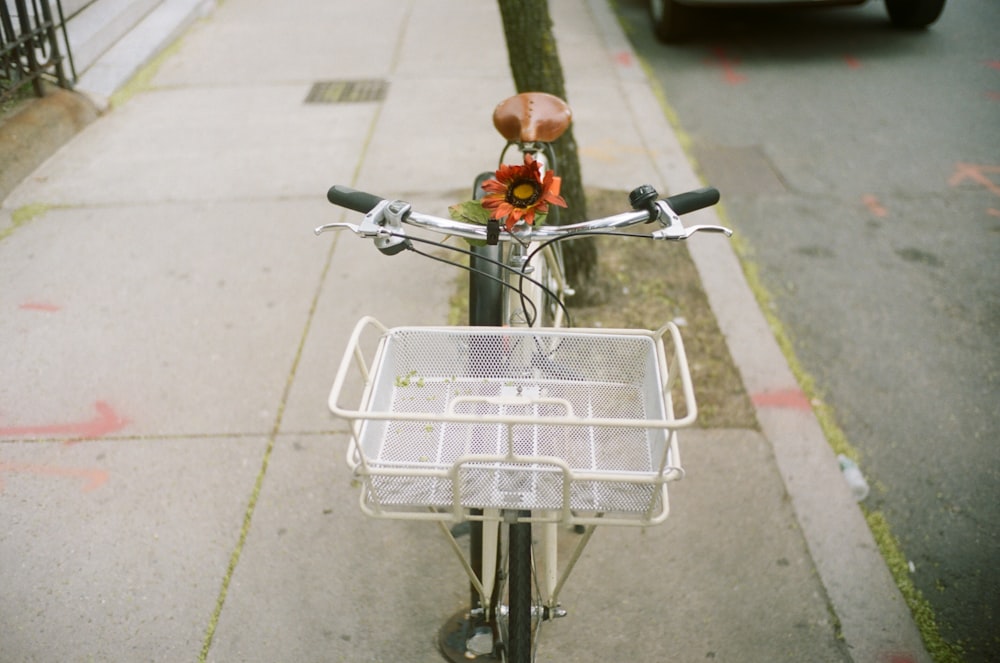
471	211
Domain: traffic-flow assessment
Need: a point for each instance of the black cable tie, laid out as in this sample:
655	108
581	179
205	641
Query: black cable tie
492	232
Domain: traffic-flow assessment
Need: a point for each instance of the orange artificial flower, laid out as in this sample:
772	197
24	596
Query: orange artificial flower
519	192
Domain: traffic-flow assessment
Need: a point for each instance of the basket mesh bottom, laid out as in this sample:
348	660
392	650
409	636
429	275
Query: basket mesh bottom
507	488
541	376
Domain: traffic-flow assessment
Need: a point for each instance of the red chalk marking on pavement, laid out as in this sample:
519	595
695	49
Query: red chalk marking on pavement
874	206
992	64
793	399
976	173
45	307
852	62
896	657
624	58
94	478
728	65
107	421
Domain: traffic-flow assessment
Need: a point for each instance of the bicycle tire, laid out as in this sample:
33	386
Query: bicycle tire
487	299
486	306
519	598
914	14
485	276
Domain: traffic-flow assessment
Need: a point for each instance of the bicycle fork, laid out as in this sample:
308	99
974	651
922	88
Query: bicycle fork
482	631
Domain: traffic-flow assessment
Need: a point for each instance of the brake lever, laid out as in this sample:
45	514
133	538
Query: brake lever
384	223
354	228
374	224
673	228
681	233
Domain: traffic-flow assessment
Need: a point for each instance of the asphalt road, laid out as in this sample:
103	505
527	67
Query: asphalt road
860	166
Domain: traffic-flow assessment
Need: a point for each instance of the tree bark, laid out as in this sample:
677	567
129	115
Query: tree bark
535	64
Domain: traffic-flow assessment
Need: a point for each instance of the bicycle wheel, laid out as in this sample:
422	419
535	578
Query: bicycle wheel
485	310
485	276
520	602
489	304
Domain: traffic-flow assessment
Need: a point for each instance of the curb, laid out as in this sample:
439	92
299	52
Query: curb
875	622
139	46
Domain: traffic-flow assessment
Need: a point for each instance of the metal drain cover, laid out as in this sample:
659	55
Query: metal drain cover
340	92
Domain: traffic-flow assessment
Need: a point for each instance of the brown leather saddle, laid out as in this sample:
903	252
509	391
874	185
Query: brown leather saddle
532	117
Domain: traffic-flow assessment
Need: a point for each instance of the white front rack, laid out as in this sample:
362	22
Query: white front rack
572	425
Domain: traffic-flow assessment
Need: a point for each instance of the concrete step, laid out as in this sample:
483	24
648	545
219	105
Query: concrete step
95	27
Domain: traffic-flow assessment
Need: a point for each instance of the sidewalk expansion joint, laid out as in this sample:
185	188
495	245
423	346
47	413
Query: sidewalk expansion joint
259	482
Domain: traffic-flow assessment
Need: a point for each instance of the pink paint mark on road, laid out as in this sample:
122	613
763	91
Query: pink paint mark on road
93	478
792	399
992	64
624	59
993	96
728	65
106	422
44	307
874	206
896	657
993	211
977	173
852	62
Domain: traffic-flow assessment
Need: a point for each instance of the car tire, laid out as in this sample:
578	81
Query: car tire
914	14
671	20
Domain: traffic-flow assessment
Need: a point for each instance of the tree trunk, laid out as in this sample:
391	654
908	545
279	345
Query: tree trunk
534	62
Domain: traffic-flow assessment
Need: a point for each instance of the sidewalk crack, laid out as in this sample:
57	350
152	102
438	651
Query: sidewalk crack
234	558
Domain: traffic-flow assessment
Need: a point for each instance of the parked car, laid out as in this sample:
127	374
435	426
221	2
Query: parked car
672	19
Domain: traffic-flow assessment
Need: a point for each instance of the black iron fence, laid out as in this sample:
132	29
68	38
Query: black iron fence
30	48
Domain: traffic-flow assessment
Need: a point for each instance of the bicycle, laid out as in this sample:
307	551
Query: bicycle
514	421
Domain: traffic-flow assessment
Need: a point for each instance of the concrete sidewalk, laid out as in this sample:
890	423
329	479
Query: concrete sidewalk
173	487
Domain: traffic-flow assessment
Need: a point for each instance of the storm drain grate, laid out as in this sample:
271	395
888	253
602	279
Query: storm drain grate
340	92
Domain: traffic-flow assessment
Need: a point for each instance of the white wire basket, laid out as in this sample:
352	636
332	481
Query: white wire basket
464	423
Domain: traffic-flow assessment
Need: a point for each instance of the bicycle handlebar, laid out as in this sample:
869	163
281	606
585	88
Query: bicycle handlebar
692	201
359	201
393	214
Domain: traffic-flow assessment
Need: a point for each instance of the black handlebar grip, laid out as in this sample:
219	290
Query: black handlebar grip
359	201
682	203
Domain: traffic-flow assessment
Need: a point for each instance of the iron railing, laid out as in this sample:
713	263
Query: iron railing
30	51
